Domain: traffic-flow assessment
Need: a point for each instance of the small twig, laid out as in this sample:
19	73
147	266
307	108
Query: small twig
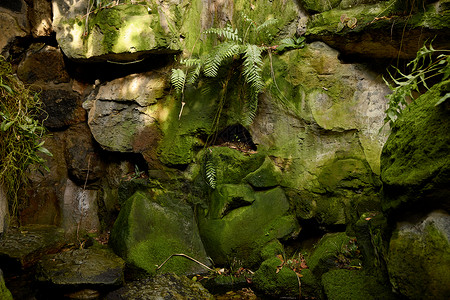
188	257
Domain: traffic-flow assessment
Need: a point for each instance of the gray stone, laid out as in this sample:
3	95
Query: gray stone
82	267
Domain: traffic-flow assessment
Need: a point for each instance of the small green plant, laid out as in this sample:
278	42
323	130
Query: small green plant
427	65
232	48
346	21
210	171
21	133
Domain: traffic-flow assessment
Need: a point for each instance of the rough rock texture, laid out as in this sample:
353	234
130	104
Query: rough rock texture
82	267
419	257
24	246
415	159
383	29
325	136
153	225
167	286
125	106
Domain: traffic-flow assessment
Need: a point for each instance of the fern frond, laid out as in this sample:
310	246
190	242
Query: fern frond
190	62
218	56
210	172
178	80
193	75
251	107
266	24
228	33
252	68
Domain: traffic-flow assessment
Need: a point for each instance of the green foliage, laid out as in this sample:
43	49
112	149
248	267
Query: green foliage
21	133
232	52
427	65
210	171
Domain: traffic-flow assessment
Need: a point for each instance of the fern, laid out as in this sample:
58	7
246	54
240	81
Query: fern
227	33
252	68
219	55
266	24
423	67
210	172
178	79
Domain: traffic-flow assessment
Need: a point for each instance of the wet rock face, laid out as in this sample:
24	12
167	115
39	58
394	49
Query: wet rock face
167	286
419	257
81	267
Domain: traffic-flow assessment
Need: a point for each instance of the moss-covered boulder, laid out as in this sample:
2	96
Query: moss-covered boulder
241	233
118	32
376	29
334	250
276	281
419	258
415	158
153	225
344	284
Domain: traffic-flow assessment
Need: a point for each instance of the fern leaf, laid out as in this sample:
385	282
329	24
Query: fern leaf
266	24
178	79
210	172
227	33
250	109
219	55
252	68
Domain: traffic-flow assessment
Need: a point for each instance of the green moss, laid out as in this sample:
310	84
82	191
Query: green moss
151	226
227	197
354	284
266	176
272	249
415	163
326	252
4	292
243	232
232	165
418	262
276	283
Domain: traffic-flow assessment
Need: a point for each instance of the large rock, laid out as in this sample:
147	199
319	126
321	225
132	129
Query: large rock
127	107
415	159
153	225
240	222
320	124
419	257
117	32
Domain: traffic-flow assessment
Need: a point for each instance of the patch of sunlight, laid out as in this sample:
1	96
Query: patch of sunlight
130	35
163	114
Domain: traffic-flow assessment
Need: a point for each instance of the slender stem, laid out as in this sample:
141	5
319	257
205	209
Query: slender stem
188	257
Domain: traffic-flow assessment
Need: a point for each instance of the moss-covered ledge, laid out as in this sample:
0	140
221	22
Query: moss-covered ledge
381	30
128	30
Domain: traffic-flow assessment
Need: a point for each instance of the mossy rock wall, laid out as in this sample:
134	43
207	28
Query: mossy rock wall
415	160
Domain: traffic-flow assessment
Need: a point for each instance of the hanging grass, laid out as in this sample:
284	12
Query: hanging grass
21	134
